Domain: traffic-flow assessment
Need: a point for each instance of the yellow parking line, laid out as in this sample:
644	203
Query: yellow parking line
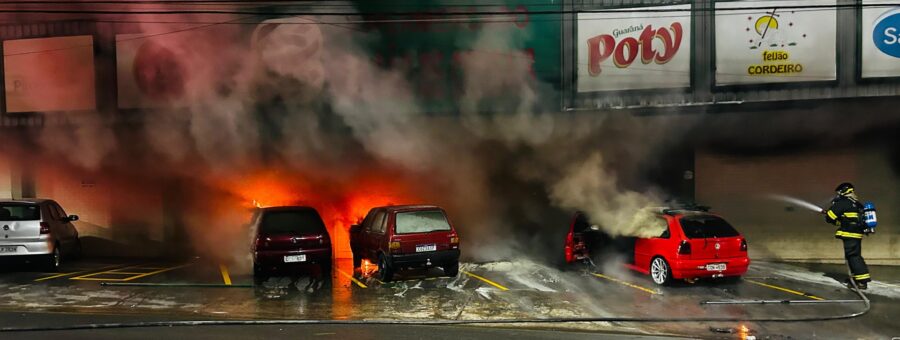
123	273
629	284
784	289
492	283
225	276
351	278
54	276
76	273
155	272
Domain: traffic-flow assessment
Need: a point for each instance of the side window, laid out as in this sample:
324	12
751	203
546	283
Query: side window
382	227
367	222
54	215
59	211
375	226
664	225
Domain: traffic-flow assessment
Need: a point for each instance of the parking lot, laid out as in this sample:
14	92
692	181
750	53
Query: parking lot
202	290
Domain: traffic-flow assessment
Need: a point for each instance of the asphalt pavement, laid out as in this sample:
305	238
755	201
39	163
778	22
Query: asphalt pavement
117	293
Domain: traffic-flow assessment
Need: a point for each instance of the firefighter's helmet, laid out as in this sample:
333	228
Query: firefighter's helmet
844	189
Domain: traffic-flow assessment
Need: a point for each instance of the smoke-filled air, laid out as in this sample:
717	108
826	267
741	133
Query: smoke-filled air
297	111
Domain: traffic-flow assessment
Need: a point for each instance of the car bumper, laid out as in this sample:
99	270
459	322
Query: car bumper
275	258
687	269
41	247
432	258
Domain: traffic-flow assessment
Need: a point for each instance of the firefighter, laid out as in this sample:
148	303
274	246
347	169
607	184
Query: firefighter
846	213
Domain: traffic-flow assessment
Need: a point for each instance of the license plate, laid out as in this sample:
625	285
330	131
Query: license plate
8	249
426	247
295	258
716	267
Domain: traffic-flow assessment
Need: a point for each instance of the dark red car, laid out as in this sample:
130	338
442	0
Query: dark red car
694	244
406	236
291	238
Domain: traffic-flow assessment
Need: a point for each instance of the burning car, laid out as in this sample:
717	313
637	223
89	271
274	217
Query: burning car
290	238
693	244
406	236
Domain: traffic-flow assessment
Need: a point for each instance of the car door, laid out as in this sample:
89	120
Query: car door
68	226
375	236
646	248
67	230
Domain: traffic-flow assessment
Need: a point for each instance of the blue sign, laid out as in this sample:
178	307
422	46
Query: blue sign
886	33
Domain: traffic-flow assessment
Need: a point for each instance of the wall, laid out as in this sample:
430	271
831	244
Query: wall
736	187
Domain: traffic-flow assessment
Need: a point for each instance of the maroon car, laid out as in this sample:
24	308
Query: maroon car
292	239
406	236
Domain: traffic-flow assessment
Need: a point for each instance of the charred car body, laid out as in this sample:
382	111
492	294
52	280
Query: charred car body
693	243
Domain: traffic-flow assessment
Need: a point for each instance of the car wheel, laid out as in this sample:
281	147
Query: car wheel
660	271
451	269
385	274
54	259
325	269
357	261
259	274
78	252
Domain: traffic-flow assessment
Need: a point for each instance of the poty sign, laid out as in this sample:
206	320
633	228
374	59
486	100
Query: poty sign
633	50
880	40
769	44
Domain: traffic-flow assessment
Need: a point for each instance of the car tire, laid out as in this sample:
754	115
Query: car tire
325	269
357	261
54	259
385	274
451	269
259	274
78	252
660	271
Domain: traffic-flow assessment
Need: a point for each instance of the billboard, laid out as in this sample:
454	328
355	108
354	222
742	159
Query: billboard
49	74
770	44
149	72
880	40
634	49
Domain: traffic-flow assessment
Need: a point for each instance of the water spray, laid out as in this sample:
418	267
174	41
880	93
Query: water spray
796	201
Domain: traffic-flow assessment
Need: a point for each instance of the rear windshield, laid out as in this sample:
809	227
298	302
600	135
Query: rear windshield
706	227
421	222
292	222
19	212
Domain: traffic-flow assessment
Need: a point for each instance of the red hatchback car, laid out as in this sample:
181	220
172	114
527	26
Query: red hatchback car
694	244
291	238
406	236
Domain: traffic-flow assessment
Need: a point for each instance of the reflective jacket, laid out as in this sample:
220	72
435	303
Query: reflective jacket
846	213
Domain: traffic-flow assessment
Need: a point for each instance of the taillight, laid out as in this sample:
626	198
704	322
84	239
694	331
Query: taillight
454	239
743	244
570	245
684	248
45	228
395	245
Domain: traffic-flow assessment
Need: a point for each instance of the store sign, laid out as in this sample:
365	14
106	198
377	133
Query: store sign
771	44
633	50
880	39
49	74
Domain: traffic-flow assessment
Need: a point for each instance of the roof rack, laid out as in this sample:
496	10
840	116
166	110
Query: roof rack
678	207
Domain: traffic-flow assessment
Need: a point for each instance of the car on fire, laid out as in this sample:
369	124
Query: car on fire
38	229
406	236
693	243
289	239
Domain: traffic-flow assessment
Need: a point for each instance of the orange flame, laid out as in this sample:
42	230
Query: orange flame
367	268
340	204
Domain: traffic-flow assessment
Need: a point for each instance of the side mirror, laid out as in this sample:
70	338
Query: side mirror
71	218
354	228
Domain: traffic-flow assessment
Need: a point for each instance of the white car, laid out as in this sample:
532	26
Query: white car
37	229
